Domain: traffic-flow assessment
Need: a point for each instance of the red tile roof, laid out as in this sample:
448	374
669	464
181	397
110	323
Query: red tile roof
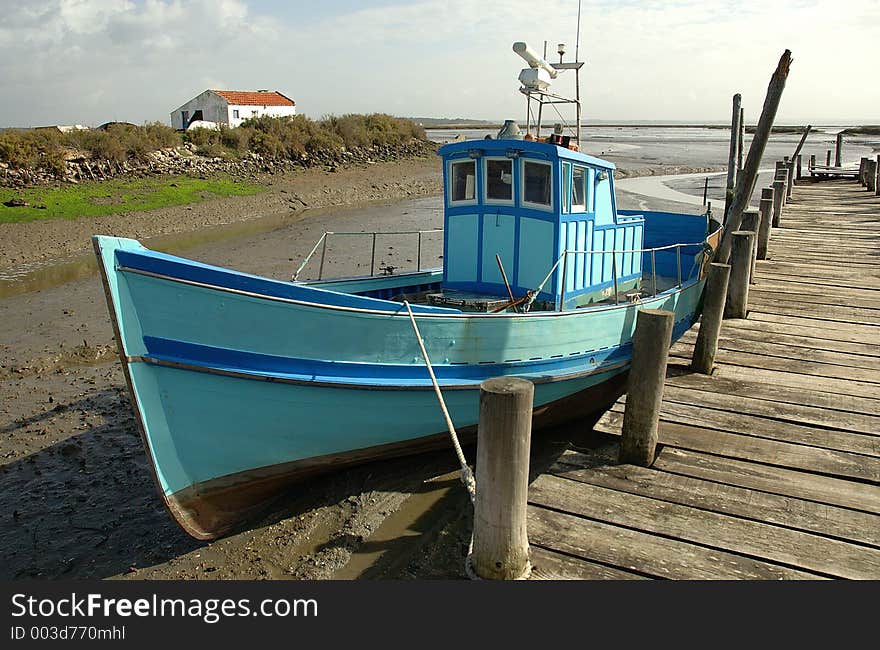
246	98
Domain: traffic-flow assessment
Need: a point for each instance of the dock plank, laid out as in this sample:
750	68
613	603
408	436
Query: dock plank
792	548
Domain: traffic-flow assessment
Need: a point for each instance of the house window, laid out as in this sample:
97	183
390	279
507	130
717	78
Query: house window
579	189
537	183
235	113
463	181
499	180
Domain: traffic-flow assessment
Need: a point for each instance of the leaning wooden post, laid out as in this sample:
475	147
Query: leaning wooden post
740	265
750	223
838	151
501	543
778	191
797	151
714	297
766	212
645	389
735	146
746	185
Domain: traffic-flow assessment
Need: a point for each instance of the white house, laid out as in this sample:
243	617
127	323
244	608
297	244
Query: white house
232	107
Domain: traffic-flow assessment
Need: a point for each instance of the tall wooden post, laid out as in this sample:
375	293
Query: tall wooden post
740	267
872	176
782	175
828	158
504	433
838	151
863	171
750	224
877	176
812	163
714	298
645	389
800	166
778	191
766	219
741	140
789	180
735	146
746	186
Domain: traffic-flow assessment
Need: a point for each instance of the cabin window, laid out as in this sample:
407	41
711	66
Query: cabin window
579	189
537	183
566	183
463	181
499	180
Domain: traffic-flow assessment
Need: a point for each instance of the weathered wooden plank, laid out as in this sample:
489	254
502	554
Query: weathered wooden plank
812	282
720	419
799	549
797	381
818	312
761	450
819	419
862	378
797	297
735	344
868	332
773	479
819	407
647	554
822	519
550	565
805	336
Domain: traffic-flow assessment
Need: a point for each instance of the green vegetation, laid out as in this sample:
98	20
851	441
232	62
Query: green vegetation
272	137
862	130
96	199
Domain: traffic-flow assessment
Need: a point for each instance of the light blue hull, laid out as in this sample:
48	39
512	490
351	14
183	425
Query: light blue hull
242	384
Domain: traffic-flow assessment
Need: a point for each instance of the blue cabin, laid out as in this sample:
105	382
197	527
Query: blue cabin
528	202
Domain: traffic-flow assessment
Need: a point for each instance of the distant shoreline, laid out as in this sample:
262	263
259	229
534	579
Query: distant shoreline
476	126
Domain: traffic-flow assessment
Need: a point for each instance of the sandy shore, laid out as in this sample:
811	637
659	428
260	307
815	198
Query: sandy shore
76	498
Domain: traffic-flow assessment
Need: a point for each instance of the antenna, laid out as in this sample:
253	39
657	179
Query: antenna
577	42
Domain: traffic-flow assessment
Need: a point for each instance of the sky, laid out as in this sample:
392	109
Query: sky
92	61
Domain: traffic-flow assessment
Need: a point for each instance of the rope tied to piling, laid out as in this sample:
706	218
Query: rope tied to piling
467	476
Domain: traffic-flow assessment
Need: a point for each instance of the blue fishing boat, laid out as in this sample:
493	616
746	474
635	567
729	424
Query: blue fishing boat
243	385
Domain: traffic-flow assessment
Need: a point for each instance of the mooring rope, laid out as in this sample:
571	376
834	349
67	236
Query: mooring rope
467	476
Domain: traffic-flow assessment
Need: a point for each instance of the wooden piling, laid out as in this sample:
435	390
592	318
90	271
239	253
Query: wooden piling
828	158
800	166
501	543
782	175
797	151
778	191
766	218
877	176
744	188
735	146
872	176
812	163
789	180
838	151
750	223
740	266
644	395
863	171
714	298
741	140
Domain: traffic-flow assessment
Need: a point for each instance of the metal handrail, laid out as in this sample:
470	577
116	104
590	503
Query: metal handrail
322	243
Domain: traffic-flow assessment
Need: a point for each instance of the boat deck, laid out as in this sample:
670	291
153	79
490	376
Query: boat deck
770	468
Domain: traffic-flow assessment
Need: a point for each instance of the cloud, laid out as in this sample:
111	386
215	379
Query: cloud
93	60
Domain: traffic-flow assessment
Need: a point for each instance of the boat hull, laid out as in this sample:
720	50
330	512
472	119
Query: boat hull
242	387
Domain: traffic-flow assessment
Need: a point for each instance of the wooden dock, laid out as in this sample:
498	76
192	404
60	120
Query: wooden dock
769	468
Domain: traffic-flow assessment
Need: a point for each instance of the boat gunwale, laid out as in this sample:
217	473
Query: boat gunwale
589	309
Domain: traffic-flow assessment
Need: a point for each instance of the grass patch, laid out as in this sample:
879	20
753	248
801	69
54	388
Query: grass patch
100	198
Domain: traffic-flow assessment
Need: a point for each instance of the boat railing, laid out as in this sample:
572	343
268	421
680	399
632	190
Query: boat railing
614	253
325	238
